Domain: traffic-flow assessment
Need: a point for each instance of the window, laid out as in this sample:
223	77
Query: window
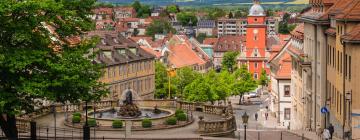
255	76
256	65
287	114
341	62
349	68
337	61
333	54
287	91
346	66
255	52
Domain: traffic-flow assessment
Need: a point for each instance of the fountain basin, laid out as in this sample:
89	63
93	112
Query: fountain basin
108	116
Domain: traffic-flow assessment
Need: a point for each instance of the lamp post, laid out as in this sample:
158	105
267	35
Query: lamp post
245	118
86	128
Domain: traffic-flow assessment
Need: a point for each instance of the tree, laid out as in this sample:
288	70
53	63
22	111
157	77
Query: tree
201	37
160	26
216	13
264	80
244	82
144	11
136	5
231	15
160	80
30	69
172	9
184	76
199	91
229	61
186	17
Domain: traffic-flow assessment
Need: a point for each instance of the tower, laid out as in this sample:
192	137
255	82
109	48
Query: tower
256	40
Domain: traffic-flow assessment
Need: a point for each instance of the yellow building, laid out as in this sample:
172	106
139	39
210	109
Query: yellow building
126	66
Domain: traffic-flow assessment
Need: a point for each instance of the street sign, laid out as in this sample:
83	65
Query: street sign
324	110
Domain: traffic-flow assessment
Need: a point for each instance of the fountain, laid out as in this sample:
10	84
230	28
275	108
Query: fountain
128	109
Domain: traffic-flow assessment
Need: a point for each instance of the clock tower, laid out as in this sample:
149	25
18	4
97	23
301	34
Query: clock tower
256	40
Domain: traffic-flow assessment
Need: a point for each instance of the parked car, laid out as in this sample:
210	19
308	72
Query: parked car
253	95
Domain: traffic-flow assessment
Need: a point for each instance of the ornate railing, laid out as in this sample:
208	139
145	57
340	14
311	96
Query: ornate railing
217	127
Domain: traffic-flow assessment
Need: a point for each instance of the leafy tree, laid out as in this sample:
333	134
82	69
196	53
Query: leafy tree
30	69
160	80
229	61
244	82
269	13
160	26
231	15
186	17
199	91
201	37
184	77
264	80
144	11
216	13
221	84
136	5
172	9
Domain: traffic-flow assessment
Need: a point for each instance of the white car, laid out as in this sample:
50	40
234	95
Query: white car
253	95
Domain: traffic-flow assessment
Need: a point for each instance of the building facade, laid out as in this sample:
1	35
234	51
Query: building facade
126	67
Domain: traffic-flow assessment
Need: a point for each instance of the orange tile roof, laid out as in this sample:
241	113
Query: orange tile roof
298	32
229	43
181	54
353	36
284	71
157	54
210	41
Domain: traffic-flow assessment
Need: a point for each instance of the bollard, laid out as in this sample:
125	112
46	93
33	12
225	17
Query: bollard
47	133
281	135
258	135
303	137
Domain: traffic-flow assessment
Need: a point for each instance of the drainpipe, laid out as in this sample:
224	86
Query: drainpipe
314	93
344	90
278	85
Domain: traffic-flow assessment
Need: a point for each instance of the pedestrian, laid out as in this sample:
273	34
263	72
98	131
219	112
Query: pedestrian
331	130
266	115
326	134
256	116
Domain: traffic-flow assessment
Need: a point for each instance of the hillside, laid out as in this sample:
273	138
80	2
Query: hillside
206	2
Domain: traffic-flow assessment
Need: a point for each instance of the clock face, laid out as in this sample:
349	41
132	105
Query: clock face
255	31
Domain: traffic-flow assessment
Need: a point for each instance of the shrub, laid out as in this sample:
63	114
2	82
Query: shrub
77	114
117	124
181	117
76	119
179	111
91	122
171	121
146	123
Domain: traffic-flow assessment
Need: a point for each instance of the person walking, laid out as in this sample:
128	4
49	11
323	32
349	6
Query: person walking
266	115
256	116
326	134
331	130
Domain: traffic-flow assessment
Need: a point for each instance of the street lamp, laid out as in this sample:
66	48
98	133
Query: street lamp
245	118
86	128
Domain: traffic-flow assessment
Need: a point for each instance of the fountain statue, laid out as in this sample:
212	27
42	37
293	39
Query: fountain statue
128	108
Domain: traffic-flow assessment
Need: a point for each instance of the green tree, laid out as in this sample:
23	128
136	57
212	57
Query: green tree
160	26
216	13
186	17
184	77
144	11
160	80
201	37
231	15
244	82
136	5
229	61
264	80
172	9
221	84
30	69
199	91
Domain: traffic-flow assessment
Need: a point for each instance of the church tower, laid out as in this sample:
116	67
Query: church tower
256	39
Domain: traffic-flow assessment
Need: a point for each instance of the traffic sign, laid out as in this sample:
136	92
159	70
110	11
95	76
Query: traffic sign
324	110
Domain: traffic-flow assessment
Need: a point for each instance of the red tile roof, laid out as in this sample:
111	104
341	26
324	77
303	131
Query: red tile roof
181	53
210	41
353	36
103	10
157	54
298	32
284	71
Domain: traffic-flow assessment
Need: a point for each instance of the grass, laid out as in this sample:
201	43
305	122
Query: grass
299	2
